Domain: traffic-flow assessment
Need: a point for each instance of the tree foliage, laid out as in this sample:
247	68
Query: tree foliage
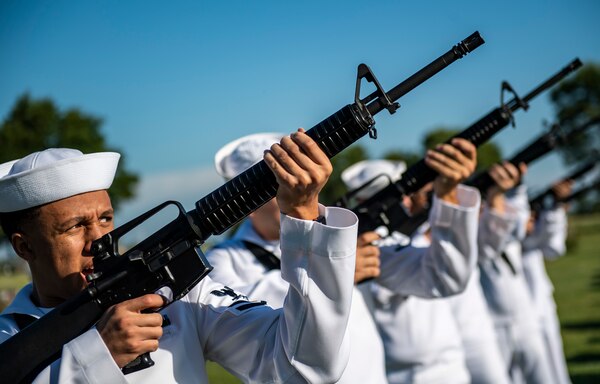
576	100
34	125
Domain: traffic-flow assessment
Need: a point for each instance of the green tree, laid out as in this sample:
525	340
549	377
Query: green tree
34	125
576	100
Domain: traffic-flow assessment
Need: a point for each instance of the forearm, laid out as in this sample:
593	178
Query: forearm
304	340
554	229
317	307
444	267
494	232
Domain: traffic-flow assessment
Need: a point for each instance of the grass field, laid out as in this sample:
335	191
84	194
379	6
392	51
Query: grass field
576	279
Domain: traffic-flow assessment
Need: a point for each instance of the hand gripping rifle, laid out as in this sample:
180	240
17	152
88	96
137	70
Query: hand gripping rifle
580	192
483	181
541	201
385	207
171	257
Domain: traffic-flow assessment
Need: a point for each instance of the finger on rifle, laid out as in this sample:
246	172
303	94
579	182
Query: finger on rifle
280	171
439	163
284	159
368	261
448	155
512	171
311	148
452	152
466	147
367	238
145	302
501	172
522	169
149	332
296	153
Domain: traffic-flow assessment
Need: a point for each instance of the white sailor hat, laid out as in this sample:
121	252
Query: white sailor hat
359	173
54	174
239	155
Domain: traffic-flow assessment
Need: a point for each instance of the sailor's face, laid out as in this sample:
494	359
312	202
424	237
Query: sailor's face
60	239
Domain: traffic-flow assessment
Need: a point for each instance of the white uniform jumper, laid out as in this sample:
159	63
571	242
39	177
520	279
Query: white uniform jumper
507	295
478	335
237	267
419	332
547	242
303	342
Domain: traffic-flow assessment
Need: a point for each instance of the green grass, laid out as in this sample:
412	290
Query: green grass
576	279
217	375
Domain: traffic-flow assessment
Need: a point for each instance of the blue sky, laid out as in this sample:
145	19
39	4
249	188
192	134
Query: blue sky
174	81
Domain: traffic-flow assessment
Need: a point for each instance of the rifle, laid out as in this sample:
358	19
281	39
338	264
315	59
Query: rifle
536	149
539	202
170	257
580	192
385	207
483	181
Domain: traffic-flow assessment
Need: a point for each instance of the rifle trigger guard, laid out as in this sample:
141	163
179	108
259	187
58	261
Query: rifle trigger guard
506	87
364	72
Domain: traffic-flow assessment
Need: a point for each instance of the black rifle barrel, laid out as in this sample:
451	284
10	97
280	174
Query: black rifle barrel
582	191
419	174
537	202
573	65
535	150
459	50
233	201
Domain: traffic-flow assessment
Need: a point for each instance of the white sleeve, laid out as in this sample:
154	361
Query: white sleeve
518	200
495	231
443	268
550	233
303	341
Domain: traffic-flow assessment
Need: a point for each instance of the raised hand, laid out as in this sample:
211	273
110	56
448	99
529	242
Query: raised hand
454	163
301	169
127	332
562	189
506	176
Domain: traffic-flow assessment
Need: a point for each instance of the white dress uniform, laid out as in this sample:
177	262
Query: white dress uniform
478	335
507	295
302	342
420	335
547	242
236	266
